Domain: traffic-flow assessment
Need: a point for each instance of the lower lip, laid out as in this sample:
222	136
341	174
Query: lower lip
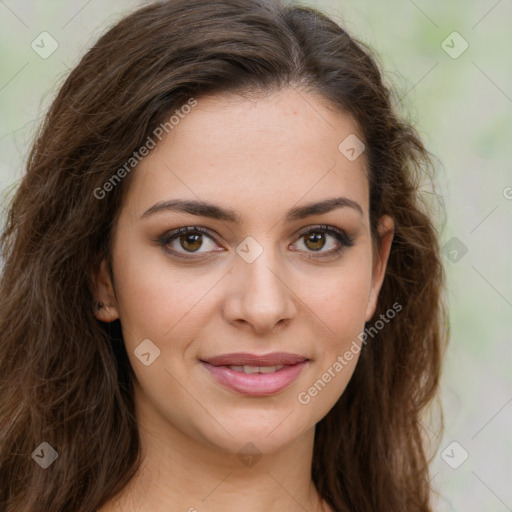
255	384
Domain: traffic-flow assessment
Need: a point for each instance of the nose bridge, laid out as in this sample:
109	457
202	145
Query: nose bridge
261	294
259	265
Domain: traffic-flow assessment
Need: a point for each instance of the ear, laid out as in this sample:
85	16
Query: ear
103	291
386	229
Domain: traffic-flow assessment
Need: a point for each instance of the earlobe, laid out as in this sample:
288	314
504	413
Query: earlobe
386	229
105	304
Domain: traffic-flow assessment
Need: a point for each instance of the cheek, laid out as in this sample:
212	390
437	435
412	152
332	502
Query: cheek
151	297
341	307
153	304
336	361
342	300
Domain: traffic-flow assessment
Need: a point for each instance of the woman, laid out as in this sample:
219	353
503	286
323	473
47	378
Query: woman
221	287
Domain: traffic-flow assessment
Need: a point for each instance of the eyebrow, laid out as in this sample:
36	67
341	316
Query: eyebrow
205	209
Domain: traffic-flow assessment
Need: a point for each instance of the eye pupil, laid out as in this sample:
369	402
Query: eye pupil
192	239
315	238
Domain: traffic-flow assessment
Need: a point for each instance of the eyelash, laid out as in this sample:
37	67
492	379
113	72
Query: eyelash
343	239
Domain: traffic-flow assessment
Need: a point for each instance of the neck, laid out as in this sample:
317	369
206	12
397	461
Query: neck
182	472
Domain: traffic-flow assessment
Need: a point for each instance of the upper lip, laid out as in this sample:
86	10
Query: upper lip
243	358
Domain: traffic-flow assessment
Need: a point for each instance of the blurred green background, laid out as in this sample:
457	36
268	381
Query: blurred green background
457	90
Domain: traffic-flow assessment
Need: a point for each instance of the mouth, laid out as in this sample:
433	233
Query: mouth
256	369
256	360
256	375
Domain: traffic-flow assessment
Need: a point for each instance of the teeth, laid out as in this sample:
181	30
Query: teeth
268	369
256	369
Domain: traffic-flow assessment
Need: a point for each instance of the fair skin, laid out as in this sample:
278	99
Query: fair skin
258	158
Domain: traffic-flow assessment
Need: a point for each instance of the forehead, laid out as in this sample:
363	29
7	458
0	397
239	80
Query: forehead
254	152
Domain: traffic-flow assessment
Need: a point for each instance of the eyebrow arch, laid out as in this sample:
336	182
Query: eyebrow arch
205	209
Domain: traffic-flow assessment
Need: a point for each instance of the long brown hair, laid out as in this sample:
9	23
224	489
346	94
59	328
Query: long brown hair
65	376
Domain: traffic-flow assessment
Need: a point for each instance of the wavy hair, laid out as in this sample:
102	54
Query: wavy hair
66	377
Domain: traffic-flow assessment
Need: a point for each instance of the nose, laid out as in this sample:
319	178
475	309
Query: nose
260	295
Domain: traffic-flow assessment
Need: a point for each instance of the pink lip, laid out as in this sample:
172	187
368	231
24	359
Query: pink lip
256	384
241	358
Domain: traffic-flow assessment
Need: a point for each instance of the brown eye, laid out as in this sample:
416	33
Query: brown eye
191	242
314	240
329	237
187	241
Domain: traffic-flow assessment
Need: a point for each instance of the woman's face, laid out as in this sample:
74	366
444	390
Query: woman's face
262	276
